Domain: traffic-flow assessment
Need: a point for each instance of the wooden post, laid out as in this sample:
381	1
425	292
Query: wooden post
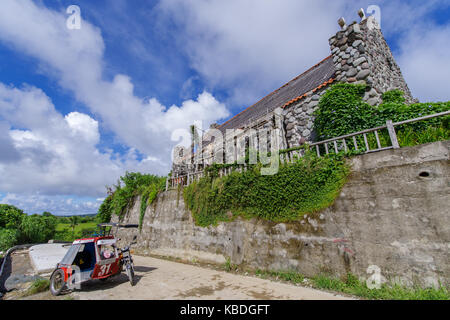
366	143
392	134
378	140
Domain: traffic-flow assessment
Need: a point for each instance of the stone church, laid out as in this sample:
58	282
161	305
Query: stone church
359	55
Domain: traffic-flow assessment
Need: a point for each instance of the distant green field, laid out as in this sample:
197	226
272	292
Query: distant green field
64	231
78	228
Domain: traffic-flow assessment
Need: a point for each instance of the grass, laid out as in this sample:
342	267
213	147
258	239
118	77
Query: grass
37	286
78	228
352	285
64	231
409	137
228	266
289	276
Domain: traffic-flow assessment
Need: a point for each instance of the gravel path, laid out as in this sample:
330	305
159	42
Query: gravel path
166	280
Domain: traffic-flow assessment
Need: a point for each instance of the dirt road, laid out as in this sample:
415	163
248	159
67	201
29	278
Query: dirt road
165	280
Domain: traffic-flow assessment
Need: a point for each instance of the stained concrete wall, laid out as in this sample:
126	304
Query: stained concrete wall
393	213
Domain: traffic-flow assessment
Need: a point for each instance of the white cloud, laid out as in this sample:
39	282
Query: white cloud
400	16
83	126
250	47
58	154
425	62
422	46
75	58
58	205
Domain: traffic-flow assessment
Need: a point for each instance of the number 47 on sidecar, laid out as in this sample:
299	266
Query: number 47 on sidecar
93	258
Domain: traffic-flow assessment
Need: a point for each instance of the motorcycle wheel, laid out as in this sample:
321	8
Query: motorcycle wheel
57	283
130	273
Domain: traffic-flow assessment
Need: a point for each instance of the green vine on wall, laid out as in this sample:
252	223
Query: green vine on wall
126	190
306	186
342	111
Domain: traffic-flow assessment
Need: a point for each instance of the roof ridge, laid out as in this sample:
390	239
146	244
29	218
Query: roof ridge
273	92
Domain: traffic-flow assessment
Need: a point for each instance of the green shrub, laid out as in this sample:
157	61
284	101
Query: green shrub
309	185
105	210
38	286
148	195
65	235
130	186
37	229
8	238
342	111
10	216
16	227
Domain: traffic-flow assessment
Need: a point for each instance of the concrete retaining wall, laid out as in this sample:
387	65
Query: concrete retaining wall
392	213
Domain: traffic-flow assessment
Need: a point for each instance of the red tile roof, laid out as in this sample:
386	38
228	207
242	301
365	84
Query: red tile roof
326	83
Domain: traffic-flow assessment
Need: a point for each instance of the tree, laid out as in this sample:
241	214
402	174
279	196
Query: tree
105	210
73	222
10	216
8	238
37	229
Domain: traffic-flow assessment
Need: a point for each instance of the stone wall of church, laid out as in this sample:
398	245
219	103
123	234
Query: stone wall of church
361	55
299	119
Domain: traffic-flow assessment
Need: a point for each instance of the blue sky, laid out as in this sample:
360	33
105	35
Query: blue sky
79	108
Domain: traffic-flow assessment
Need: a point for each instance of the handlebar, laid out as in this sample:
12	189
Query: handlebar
127	248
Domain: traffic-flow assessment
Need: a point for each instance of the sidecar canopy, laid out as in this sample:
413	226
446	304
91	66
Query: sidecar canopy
118	225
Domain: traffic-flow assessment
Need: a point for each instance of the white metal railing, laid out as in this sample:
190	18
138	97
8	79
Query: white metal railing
390	126
337	144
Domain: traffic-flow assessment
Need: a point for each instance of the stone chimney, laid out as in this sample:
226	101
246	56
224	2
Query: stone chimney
361	55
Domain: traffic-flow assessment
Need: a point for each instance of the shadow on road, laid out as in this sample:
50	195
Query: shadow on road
143	269
113	282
